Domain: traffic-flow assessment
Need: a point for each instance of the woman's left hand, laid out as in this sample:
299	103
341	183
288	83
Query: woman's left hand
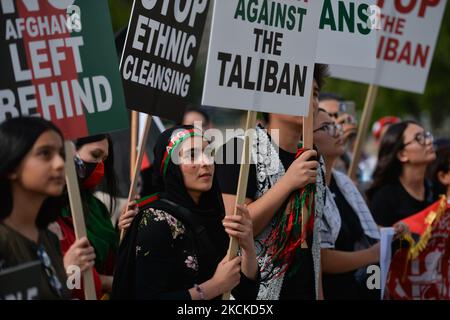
128	213
240	226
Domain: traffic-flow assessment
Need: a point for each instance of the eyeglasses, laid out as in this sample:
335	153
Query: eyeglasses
342	109
332	129
422	138
50	271
334	115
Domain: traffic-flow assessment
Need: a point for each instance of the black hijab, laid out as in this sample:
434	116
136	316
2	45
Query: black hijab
169	184
211	242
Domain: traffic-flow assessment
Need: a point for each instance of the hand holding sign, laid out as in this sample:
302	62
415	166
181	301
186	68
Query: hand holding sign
50	72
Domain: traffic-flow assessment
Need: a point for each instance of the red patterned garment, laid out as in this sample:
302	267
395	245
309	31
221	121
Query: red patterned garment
68	239
421	272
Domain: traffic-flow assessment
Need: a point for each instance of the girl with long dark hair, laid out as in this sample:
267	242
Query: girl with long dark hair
31	184
400	188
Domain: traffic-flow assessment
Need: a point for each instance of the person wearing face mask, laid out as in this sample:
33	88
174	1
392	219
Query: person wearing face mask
94	162
175	248
400	188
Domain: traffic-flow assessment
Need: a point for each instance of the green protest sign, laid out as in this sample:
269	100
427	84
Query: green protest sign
59	61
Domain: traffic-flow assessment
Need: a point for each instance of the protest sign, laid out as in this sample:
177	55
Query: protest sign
55	64
21	282
261	55
158	60
347	34
405	48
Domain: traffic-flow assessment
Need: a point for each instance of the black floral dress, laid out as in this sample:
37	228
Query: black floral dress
169	262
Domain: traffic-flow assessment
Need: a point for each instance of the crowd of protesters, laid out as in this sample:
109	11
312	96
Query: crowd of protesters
177	233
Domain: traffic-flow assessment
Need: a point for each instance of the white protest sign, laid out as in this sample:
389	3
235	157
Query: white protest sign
387	234
347	36
261	55
406	44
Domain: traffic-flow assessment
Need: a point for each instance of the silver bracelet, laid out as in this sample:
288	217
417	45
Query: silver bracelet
200	291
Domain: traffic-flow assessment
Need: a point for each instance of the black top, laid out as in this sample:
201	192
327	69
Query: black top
169	260
228	158
301	284
16	249
345	286
392	203
228	169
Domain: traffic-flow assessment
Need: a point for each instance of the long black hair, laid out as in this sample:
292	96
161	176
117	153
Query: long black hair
389	168
110	174
17	137
441	164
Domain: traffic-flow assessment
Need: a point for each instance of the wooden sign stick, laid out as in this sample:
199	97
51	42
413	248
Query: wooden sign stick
362	131
308	138
133	142
76	209
137	167
242	182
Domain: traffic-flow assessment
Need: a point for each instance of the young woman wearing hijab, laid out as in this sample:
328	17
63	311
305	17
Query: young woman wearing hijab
175	246
31	184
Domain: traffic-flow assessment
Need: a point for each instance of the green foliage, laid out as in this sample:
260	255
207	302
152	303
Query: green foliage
120	13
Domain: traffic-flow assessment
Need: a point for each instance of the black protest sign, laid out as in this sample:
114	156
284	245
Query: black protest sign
21	282
158	60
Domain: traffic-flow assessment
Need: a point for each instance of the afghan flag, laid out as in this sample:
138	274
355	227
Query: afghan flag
420	222
59	62
420	271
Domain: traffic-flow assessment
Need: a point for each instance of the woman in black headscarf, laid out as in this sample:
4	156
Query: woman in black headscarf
176	246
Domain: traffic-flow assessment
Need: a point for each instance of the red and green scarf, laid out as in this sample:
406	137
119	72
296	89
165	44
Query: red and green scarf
175	141
290	232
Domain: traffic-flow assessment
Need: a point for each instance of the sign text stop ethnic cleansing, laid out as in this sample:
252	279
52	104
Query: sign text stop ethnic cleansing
236	70
159	40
